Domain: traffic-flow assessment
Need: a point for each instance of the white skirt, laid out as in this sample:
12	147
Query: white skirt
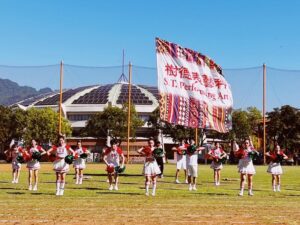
61	166
79	163
275	168
33	165
151	169
15	165
245	166
216	165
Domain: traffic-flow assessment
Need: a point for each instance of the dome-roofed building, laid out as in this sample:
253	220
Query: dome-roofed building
80	103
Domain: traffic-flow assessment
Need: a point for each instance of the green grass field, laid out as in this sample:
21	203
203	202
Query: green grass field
92	203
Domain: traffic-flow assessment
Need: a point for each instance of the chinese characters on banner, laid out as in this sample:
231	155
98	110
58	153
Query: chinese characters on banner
193	91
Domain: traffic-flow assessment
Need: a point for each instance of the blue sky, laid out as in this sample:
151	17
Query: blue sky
235	33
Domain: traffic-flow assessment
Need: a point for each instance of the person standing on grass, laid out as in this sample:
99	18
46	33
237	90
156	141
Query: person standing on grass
59	165
192	164
245	166
159	155
276	156
81	153
112	158
151	169
217	154
181	160
34	153
13	154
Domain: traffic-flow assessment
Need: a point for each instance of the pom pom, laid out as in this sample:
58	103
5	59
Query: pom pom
69	159
110	169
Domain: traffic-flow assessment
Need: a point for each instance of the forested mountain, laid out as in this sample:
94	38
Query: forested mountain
11	92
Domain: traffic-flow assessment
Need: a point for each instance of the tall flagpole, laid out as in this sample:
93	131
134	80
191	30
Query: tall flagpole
264	110
60	95
129	111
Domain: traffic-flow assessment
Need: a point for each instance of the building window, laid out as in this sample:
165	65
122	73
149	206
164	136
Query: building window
79	117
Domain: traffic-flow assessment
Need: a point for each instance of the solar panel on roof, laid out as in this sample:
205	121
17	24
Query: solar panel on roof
96	96
54	100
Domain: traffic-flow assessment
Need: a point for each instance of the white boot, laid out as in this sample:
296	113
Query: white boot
147	184
278	188
62	188
80	179
250	192
241	193
57	188
154	189
194	187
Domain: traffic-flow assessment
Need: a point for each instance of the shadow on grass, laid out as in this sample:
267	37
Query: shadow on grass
86	188
48	182
211	194
7	188
135	183
4	182
38	193
118	193
131	175
171	189
290	189
16	193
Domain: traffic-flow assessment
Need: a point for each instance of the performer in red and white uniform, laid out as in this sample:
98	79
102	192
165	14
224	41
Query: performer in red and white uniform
59	165
33	165
180	152
245	166
151	169
79	162
274	167
112	158
12	154
216	154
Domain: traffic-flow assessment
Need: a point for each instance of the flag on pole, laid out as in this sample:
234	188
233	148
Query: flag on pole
193	91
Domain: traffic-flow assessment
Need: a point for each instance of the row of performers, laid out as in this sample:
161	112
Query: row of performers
245	152
187	159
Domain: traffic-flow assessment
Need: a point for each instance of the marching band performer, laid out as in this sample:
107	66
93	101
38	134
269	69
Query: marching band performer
151	169
181	160
34	154
276	157
60	166
192	164
15	154
245	166
112	158
81	153
218	155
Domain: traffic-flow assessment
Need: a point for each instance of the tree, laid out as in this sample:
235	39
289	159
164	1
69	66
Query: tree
284	126
42	124
245	124
113	121
254	119
12	124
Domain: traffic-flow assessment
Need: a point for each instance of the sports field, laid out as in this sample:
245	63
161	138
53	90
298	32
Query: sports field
92	203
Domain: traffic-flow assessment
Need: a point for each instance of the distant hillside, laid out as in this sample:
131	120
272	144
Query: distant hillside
11	92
